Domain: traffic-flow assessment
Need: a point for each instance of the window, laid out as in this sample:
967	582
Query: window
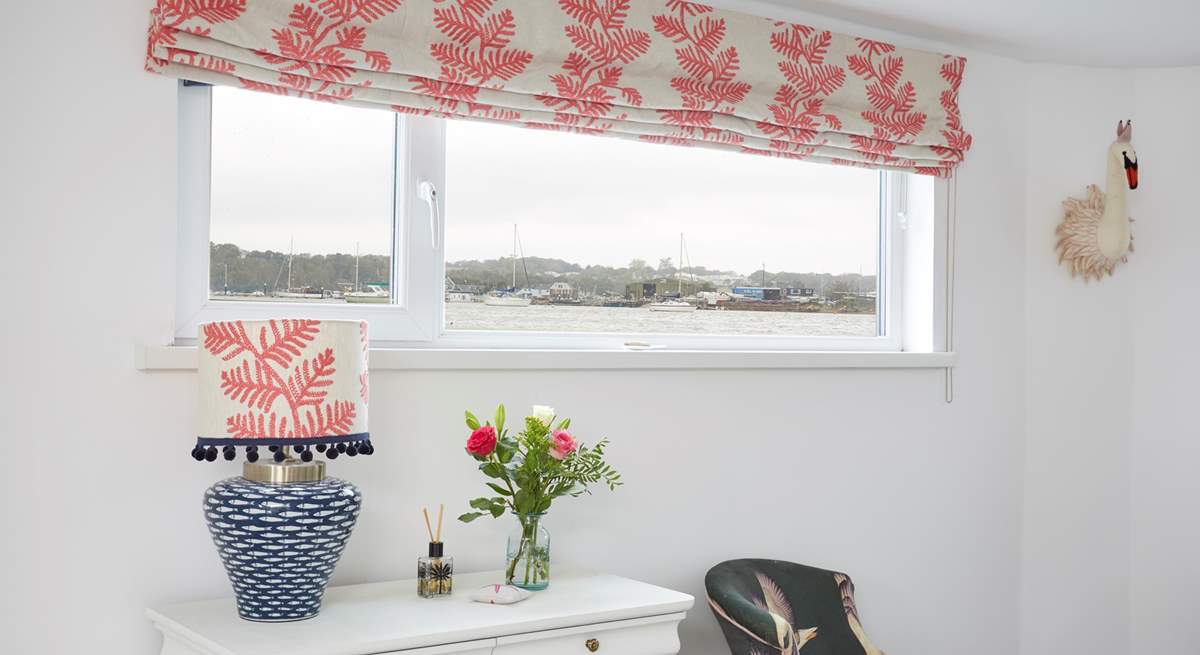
291	207
301	200
613	236
551	239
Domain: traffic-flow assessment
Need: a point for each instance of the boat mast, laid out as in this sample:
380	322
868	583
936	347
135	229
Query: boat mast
679	268
356	266
514	257
291	252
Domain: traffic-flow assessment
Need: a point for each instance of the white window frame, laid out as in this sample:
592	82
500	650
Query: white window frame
415	314
416	320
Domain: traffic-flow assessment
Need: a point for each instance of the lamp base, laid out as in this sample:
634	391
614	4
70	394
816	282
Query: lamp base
280	542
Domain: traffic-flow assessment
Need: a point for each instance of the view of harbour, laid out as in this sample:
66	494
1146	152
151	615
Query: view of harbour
519	293
662	247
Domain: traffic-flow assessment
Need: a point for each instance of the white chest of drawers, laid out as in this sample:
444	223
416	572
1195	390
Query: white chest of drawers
579	614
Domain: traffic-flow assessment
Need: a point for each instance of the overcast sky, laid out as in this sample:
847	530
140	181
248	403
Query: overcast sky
587	200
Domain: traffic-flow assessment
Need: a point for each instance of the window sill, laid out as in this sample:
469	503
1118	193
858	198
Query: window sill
183	358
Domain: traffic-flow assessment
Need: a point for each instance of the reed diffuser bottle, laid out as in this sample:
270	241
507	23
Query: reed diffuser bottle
435	572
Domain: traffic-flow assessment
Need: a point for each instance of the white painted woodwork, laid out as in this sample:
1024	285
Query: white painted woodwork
183	358
654	635
624	616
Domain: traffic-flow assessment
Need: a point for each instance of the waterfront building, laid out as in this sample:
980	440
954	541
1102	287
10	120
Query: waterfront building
561	291
759	293
640	290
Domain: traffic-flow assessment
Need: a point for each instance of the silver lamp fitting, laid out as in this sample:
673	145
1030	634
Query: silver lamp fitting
290	470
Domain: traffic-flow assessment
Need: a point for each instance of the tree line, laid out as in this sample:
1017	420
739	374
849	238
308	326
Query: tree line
236	270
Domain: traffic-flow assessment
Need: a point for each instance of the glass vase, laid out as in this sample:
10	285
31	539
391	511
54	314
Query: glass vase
528	561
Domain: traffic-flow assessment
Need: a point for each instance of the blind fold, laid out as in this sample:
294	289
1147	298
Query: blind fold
662	71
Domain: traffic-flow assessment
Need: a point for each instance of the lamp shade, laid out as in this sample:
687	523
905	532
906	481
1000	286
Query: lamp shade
284	382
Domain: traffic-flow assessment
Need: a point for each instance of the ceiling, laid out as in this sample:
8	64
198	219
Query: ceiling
1116	33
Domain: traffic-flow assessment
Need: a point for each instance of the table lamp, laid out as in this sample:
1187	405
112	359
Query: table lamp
282	390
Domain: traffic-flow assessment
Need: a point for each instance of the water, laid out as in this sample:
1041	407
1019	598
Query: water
640	320
632	320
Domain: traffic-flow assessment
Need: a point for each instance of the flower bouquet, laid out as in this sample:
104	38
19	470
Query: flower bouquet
527	472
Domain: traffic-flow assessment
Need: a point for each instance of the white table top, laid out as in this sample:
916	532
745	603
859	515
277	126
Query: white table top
388	616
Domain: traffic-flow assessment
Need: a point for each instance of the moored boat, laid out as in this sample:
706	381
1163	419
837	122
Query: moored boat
373	294
672	306
510	297
507	300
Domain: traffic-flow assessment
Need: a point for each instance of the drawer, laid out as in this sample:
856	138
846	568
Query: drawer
652	635
477	647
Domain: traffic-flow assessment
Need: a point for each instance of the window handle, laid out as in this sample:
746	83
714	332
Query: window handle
427	192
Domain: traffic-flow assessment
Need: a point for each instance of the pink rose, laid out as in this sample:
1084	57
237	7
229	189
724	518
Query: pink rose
482	441
563	445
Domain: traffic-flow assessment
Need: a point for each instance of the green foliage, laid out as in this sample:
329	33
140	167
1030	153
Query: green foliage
526	475
246	271
266	270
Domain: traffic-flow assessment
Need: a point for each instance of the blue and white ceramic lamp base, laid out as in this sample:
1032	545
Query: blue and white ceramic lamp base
280	542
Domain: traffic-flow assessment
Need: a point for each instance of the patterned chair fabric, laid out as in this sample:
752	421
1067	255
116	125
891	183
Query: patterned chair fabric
770	606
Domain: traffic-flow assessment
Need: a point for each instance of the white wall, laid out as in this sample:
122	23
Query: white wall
1109	543
868	471
1164	448
1079	355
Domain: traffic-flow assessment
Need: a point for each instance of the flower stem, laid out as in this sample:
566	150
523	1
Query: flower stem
531	530
512	566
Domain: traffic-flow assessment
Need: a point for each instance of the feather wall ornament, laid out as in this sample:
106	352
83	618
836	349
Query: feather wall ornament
1094	235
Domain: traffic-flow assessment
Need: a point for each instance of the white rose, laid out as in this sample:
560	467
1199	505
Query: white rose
543	413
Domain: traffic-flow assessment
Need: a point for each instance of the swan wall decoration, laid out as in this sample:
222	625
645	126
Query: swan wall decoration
1094	235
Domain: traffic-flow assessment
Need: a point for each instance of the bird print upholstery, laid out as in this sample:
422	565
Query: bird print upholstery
765	607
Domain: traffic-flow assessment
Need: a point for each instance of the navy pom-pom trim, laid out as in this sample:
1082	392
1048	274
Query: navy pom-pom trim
209	449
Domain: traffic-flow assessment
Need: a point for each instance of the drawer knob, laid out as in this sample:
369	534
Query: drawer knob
593	645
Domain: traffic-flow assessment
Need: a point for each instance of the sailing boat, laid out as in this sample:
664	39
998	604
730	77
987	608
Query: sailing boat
290	292
374	294
675	304
508	297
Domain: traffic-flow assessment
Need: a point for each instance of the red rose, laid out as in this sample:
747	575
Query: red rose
482	441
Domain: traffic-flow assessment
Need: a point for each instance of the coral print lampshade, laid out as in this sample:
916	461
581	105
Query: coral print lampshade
269	384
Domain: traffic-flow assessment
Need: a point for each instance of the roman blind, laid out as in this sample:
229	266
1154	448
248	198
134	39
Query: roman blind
662	71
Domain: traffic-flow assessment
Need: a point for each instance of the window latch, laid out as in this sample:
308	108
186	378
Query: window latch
427	192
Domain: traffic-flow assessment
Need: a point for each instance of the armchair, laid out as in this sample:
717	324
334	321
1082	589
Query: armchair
770	606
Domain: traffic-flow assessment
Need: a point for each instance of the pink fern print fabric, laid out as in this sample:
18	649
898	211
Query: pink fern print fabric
664	71
283	382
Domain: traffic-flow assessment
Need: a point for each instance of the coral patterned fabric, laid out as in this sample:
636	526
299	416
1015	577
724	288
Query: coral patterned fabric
664	71
283	382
